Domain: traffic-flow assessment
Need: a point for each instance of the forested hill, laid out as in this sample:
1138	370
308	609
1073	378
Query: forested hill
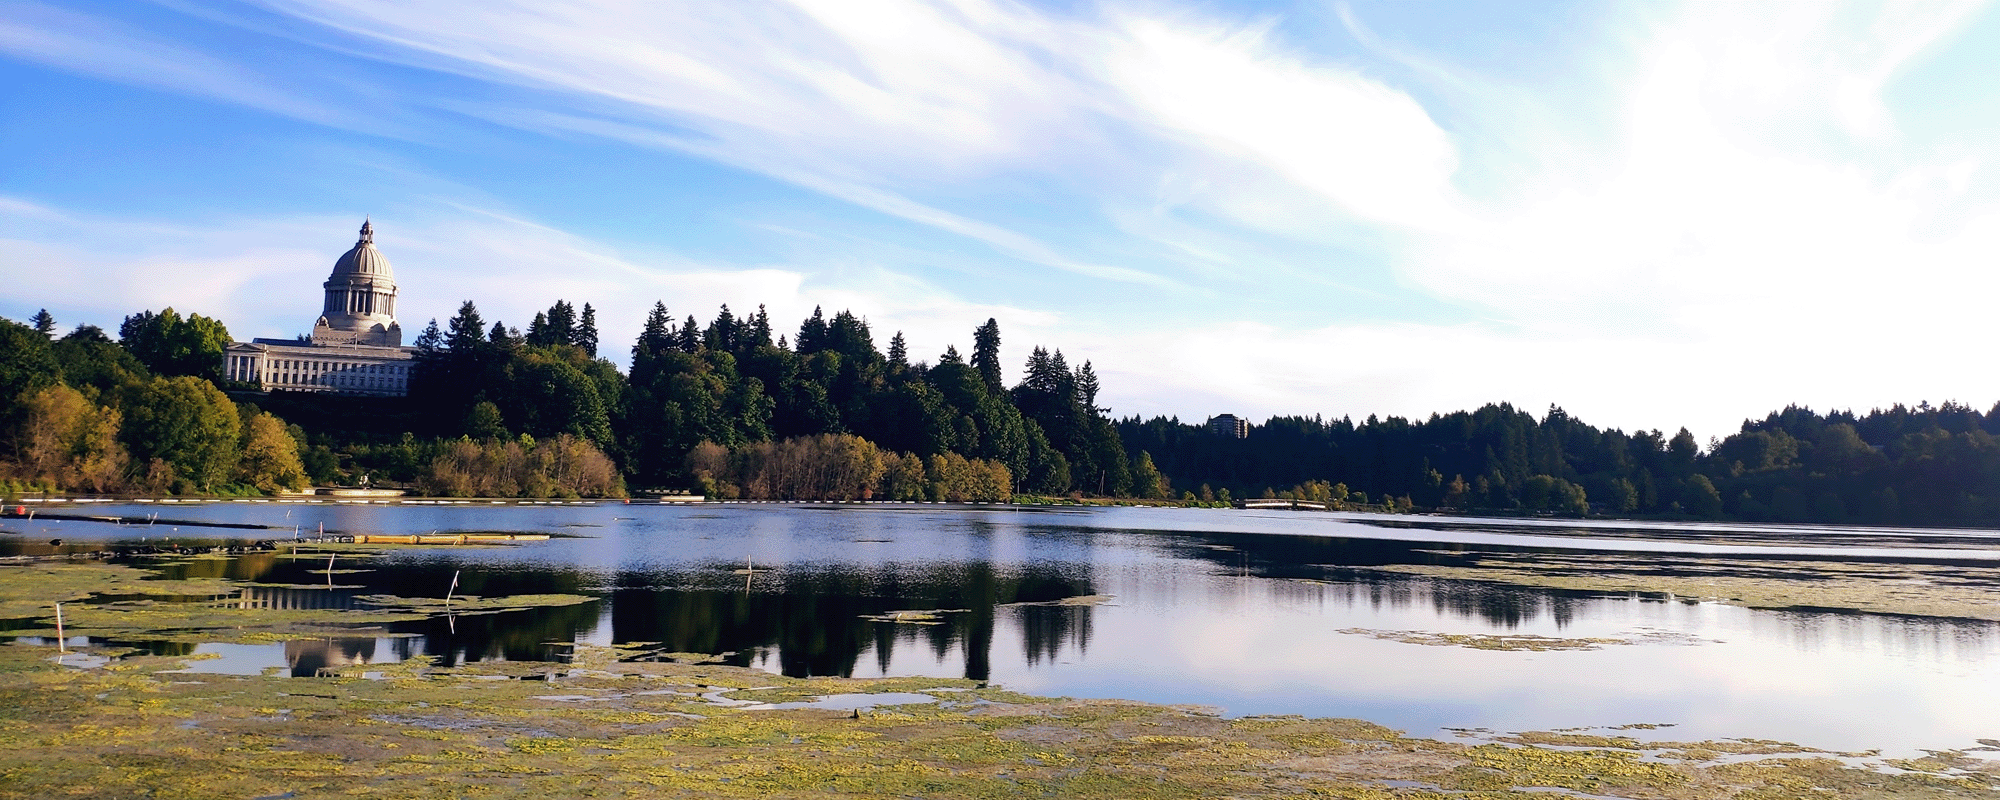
735	407
1923	465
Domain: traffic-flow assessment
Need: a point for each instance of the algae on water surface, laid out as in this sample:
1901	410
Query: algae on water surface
1931	590
644	729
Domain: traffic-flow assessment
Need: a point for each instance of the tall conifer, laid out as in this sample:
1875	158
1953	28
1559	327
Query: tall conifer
986	355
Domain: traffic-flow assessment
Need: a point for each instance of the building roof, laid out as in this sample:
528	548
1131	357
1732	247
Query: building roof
363	259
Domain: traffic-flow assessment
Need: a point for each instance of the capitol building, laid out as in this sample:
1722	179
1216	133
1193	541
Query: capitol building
356	346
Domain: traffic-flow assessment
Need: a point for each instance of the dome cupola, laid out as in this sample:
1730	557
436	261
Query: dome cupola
360	303
363	258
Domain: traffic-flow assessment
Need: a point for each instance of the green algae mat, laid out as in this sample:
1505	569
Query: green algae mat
604	727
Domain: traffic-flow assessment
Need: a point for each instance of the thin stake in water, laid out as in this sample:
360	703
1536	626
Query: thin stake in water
454	587
62	643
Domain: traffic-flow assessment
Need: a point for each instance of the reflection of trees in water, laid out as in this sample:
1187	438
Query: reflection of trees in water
508	636
1344	561
814	619
512	635
1044	630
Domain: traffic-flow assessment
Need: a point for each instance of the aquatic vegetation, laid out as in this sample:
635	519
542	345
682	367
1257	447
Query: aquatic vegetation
1521	641
1931	590
125	603
1483	641
644	729
1079	600
916	617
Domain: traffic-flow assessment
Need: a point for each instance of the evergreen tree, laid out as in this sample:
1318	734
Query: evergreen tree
721	334
431	340
44	323
690	335
986	355
656	337
1086	387
586	332
466	330
562	323
500	338
759	333
899	353
812	334
538	330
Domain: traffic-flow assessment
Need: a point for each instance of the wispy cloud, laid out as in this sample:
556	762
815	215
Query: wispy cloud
112	50
1736	201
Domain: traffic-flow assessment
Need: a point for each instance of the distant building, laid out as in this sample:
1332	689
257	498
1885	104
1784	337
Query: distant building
1229	425
356	345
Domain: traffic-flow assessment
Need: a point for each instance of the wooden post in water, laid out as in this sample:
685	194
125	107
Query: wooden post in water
62	644
454	587
329	570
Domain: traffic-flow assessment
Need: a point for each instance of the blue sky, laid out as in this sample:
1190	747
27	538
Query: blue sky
1651	214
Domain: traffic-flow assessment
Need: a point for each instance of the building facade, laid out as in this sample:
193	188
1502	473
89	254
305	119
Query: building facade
1229	426
356	344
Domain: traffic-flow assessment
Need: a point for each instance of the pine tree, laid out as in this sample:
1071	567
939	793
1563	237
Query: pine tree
760	329
657	336
986	355
500	337
899	353
466	329
44	323
1086	387
812	334
690	335
586	332
562	323
431	340
721	334
538	330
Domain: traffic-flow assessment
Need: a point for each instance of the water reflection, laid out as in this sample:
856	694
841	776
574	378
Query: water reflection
1250	612
817	621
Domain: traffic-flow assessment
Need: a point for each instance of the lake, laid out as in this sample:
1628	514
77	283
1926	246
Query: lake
1252	612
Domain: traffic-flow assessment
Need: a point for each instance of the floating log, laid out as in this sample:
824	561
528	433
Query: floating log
445	538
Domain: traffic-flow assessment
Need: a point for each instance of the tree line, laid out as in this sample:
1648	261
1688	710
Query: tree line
150	413
735	407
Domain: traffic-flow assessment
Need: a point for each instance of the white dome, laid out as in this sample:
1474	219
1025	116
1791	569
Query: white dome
363	258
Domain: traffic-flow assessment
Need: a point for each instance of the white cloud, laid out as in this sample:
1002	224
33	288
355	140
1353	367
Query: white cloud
1370	149
1754	229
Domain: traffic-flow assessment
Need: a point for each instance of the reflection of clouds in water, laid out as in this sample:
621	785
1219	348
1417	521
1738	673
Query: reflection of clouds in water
1239	610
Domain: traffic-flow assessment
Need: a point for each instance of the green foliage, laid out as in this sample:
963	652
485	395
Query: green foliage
484	422
167	344
1147	482
68	441
187	426
86	357
270	456
26	364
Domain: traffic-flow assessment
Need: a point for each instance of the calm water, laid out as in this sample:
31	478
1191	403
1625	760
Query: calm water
1236	609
